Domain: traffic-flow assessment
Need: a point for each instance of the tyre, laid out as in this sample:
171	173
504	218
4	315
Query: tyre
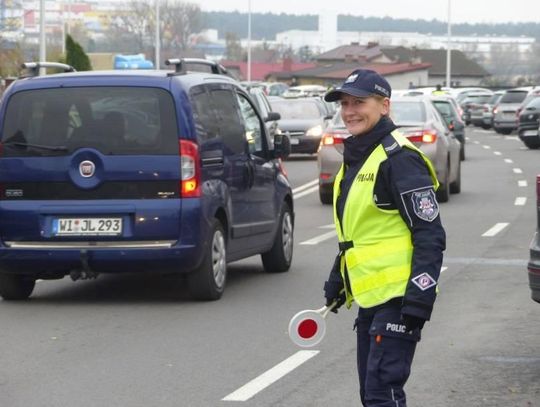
207	282
535	145
443	193
505	131
455	187
325	196
279	258
16	287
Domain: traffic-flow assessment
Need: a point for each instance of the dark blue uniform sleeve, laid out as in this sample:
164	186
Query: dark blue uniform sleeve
412	192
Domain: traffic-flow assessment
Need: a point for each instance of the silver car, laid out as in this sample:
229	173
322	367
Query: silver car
418	120
422	124
505	118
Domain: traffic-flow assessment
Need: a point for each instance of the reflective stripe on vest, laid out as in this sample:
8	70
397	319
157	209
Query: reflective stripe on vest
379	263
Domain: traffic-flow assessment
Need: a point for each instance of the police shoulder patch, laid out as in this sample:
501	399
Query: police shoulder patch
425	204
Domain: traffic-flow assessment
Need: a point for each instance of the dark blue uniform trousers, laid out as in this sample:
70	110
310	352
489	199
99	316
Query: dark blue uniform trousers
385	354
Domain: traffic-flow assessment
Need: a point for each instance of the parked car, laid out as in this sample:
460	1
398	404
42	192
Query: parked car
534	260
269	88
447	107
419	120
472	106
529	120
263	105
330	156
303	121
304	91
487	111
461	93
504	114
114	171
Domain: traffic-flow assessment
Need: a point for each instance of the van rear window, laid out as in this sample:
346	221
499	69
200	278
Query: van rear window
513	97
113	120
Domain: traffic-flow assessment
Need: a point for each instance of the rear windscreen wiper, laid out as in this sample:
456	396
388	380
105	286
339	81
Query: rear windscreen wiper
38	146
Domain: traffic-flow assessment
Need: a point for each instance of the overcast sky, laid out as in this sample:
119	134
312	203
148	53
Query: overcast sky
471	11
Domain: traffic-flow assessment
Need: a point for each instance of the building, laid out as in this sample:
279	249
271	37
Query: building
399	75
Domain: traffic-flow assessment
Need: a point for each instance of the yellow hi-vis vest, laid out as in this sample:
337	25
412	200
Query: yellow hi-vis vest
379	263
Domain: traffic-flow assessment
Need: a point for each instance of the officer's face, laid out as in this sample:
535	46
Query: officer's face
360	115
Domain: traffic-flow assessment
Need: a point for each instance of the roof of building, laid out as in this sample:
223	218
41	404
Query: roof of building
259	70
353	50
461	65
342	70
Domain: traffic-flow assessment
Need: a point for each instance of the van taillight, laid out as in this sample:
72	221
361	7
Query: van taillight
424	136
190	184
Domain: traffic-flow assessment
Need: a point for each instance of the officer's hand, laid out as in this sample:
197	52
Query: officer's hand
334	292
411	322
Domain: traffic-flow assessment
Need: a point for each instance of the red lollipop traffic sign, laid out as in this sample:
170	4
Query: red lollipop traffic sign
307	328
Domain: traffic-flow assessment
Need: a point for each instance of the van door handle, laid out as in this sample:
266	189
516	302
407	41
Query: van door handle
250	174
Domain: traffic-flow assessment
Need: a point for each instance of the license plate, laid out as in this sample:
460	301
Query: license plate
509	116
295	141
87	226
530	133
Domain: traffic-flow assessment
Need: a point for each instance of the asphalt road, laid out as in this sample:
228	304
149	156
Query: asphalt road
134	340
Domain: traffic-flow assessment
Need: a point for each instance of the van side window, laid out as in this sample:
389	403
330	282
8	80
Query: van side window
252	124
203	114
229	126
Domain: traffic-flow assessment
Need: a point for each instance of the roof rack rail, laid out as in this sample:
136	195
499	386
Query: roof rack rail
180	65
34	67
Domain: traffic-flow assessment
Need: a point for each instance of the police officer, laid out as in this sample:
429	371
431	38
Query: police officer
390	238
438	91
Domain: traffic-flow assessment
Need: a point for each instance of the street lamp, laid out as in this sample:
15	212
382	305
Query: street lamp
249	43
42	45
448	48
157	38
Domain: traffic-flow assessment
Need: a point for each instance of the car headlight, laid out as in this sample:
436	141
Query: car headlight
316	131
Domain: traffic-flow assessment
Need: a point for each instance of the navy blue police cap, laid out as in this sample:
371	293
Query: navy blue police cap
361	83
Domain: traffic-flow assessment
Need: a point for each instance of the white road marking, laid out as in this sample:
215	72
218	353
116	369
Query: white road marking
476	142
520	201
305	186
517	171
306	192
513	138
319	239
443	269
329	226
497	153
269	377
486	147
523	183
495	229
468	138
508	161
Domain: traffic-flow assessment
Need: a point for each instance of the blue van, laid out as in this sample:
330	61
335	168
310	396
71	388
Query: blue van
123	171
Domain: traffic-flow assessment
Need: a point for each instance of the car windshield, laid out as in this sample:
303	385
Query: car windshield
534	103
297	109
477	98
113	120
494	99
413	111
444	108
514	97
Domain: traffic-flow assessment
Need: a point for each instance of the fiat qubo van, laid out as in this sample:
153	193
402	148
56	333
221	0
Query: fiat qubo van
126	171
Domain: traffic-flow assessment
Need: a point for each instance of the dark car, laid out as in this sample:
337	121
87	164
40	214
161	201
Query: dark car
303	120
126	171
534	261
529	120
449	112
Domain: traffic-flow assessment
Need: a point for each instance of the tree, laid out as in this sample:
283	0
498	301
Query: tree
179	21
234	51
75	55
11	59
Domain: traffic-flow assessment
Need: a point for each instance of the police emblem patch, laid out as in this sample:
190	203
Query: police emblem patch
424	281
425	205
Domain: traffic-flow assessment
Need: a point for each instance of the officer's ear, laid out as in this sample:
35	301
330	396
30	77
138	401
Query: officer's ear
385	107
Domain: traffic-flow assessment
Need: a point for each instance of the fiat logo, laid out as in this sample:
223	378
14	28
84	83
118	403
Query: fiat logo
87	169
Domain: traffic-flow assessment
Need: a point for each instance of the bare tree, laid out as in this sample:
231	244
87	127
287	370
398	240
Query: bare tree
179	20
131	27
